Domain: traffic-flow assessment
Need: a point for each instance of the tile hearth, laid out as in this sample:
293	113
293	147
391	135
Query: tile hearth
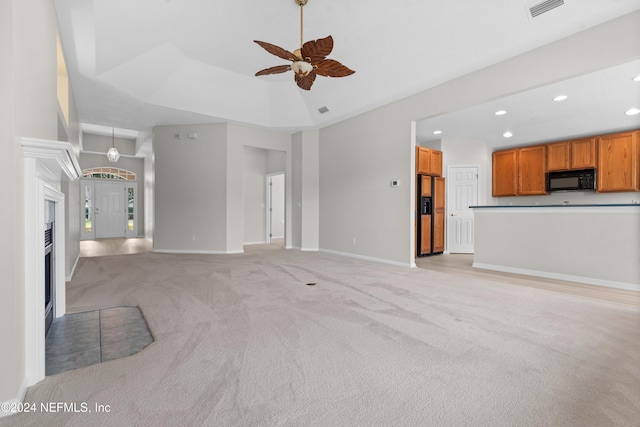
82	339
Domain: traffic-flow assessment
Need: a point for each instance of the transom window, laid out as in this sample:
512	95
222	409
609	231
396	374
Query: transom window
109	173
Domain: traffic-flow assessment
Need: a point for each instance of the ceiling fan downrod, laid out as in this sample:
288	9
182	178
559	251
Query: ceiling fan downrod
301	3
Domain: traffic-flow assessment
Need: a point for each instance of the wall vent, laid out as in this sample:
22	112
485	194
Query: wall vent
323	110
543	7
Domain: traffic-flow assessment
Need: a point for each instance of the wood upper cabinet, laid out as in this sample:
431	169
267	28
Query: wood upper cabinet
428	161
532	169
558	156
505	173
619	162
583	153
576	154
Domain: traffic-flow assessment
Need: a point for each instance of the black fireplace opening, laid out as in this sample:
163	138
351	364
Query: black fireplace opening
49	278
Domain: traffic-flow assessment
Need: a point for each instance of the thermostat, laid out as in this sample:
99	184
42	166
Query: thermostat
395	183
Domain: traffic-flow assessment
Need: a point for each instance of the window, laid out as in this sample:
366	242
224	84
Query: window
109	173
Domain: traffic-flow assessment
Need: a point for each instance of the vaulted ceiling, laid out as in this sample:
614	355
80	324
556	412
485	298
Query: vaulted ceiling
138	64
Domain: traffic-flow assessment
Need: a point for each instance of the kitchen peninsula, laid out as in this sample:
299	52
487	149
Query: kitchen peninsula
591	244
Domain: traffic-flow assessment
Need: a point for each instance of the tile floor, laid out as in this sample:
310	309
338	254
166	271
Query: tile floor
82	339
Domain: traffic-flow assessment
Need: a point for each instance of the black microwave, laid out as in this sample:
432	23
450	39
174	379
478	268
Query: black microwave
578	180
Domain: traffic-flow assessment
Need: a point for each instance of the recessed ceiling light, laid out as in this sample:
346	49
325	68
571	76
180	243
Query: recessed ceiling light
560	98
500	113
507	134
632	111
637	78
437	132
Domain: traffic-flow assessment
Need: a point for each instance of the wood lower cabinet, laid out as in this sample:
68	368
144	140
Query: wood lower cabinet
619	162
505	173
532	169
438	214
430	230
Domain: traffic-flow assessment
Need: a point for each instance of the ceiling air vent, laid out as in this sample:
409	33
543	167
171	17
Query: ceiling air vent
543	7
323	110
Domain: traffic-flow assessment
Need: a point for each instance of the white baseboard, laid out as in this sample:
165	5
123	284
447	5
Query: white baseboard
73	269
310	249
255	243
559	276
22	391
196	252
367	258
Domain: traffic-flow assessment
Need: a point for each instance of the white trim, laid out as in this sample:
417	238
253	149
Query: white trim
559	276
310	249
254	243
367	258
22	391
73	269
56	156
196	252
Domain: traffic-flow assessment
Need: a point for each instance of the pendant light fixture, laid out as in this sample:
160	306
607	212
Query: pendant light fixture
113	154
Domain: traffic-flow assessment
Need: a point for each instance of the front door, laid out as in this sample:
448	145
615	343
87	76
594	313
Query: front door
110	213
463	192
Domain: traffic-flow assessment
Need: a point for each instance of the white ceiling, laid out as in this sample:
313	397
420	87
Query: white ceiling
138	64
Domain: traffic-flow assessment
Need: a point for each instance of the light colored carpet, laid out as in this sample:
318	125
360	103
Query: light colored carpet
240	340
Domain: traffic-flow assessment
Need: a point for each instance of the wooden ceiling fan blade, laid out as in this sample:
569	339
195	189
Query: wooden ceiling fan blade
332	68
307	81
274	70
317	50
277	51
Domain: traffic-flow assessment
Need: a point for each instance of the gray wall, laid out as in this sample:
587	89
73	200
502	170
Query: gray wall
190	189
254	189
359	156
199	185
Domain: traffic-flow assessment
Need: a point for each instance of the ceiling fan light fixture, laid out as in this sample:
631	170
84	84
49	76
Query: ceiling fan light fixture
301	68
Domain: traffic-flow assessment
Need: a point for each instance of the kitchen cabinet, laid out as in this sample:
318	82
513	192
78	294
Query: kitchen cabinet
519	171
428	161
575	154
431	219
558	156
532	169
583	153
619	162
505	173
438	215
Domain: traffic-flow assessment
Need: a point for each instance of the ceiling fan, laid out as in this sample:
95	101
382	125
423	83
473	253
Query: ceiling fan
308	61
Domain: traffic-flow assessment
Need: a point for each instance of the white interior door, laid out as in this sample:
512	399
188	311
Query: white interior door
462	193
110	212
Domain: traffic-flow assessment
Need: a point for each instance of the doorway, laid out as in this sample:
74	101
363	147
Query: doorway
110	211
462	192
275	208
110	208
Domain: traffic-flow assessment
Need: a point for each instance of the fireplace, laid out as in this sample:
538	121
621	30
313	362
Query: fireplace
49	267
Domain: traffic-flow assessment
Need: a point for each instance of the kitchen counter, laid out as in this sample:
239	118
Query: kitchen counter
556	206
595	244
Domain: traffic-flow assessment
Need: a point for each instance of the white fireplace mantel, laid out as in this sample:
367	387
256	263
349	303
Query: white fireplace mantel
46	165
